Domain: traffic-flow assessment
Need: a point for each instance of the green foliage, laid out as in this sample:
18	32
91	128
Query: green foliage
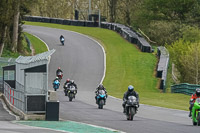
8	53
185	55
163	32
191	34
171	9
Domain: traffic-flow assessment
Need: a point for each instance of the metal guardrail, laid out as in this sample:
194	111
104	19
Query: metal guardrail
184	88
162	66
22	101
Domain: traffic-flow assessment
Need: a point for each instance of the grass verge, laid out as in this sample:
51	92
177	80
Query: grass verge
125	65
37	44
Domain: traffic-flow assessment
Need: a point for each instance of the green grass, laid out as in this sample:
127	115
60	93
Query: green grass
37	44
125	65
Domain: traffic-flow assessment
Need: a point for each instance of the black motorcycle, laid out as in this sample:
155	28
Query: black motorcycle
71	92
131	107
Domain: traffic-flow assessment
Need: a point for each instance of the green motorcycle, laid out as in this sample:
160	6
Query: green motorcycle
196	112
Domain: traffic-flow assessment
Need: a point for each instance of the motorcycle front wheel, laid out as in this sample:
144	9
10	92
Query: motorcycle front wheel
101	103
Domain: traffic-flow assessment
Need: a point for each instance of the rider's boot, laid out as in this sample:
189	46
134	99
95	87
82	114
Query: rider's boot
190	114
124	111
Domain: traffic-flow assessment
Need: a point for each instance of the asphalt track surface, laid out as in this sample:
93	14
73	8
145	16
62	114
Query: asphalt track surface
82	60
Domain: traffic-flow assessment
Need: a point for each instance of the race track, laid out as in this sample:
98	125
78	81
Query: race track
82	60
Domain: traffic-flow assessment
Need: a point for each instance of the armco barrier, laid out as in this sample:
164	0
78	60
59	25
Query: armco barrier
162	66
184	88
124	31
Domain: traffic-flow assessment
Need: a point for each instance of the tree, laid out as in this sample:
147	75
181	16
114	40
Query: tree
16	5
191	64
112	4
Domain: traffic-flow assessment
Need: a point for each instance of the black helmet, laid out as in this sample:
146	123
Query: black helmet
72	81
130	88
198	92
101	86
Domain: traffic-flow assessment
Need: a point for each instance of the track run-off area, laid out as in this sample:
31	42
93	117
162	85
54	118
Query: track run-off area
83	60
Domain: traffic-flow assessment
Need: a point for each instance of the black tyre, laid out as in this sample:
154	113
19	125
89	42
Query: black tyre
70	96
198	119
131	113
101	103
194	123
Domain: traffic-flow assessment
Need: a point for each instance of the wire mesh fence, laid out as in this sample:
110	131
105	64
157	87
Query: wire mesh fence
8	75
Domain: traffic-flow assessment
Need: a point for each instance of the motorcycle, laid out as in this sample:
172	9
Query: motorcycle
71	92
101	99
131	107
56	85
196	112
59	75
62	40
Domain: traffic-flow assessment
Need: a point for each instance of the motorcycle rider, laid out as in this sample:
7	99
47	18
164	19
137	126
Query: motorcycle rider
61	37
66	85
55	80
58	71
192	100
71	83
100	87
128	93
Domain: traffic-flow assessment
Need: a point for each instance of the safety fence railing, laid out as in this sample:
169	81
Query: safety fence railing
27	103
8	75
162	66
184	88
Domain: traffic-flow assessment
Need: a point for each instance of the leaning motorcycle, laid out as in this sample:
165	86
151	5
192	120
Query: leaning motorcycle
196	112
62	40
71	92
101	99
56	84
131	107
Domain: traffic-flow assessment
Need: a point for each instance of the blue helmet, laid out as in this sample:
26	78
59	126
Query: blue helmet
130	88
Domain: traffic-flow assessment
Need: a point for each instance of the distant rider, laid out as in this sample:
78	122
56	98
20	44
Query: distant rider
61	37
192	100
55	80
128	93
59	71
100	87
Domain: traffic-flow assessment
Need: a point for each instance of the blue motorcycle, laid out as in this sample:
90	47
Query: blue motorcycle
101	98
56	85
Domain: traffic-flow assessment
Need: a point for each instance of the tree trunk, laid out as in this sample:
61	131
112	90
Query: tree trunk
2	40
15	27
112	9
